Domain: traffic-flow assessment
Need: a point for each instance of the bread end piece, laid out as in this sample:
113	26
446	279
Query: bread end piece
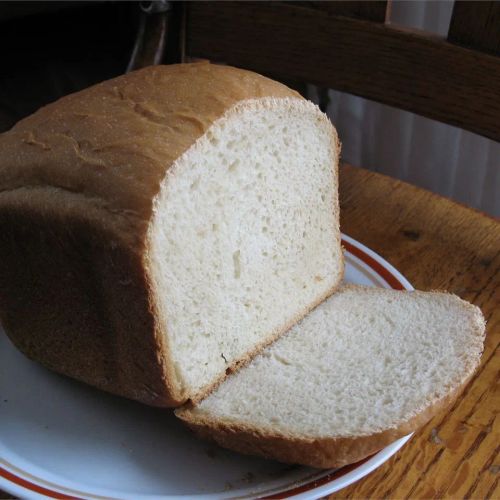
325	451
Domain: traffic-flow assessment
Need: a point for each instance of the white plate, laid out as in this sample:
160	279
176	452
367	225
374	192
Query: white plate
61	439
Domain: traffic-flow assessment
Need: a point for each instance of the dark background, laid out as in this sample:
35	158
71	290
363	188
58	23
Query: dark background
50	49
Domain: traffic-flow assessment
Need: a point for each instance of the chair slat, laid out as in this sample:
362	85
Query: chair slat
404	68
476	25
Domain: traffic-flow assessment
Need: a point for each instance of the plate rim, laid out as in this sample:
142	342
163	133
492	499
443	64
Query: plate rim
320	484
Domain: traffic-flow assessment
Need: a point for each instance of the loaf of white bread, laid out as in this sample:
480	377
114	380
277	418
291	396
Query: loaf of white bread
366	367
159	229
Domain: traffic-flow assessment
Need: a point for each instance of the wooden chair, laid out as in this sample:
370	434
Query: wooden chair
436	243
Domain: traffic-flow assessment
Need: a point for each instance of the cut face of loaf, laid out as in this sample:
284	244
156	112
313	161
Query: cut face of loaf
244	238
161	228
365	367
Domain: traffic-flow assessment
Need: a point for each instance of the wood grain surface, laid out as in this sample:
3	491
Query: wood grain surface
436	244
476	25
411	70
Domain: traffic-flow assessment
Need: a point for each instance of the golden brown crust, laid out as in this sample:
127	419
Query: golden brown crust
114	142
323	452
77	184
72	295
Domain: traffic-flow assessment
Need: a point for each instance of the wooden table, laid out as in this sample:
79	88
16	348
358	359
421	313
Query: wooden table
436	244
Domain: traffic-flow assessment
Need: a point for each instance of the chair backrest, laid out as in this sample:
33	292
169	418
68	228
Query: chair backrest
351	46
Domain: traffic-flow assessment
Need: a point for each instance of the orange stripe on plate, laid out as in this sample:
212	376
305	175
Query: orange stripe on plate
34	487
376	266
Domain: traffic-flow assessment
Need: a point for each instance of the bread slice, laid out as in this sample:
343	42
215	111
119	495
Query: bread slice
160	228
365	367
